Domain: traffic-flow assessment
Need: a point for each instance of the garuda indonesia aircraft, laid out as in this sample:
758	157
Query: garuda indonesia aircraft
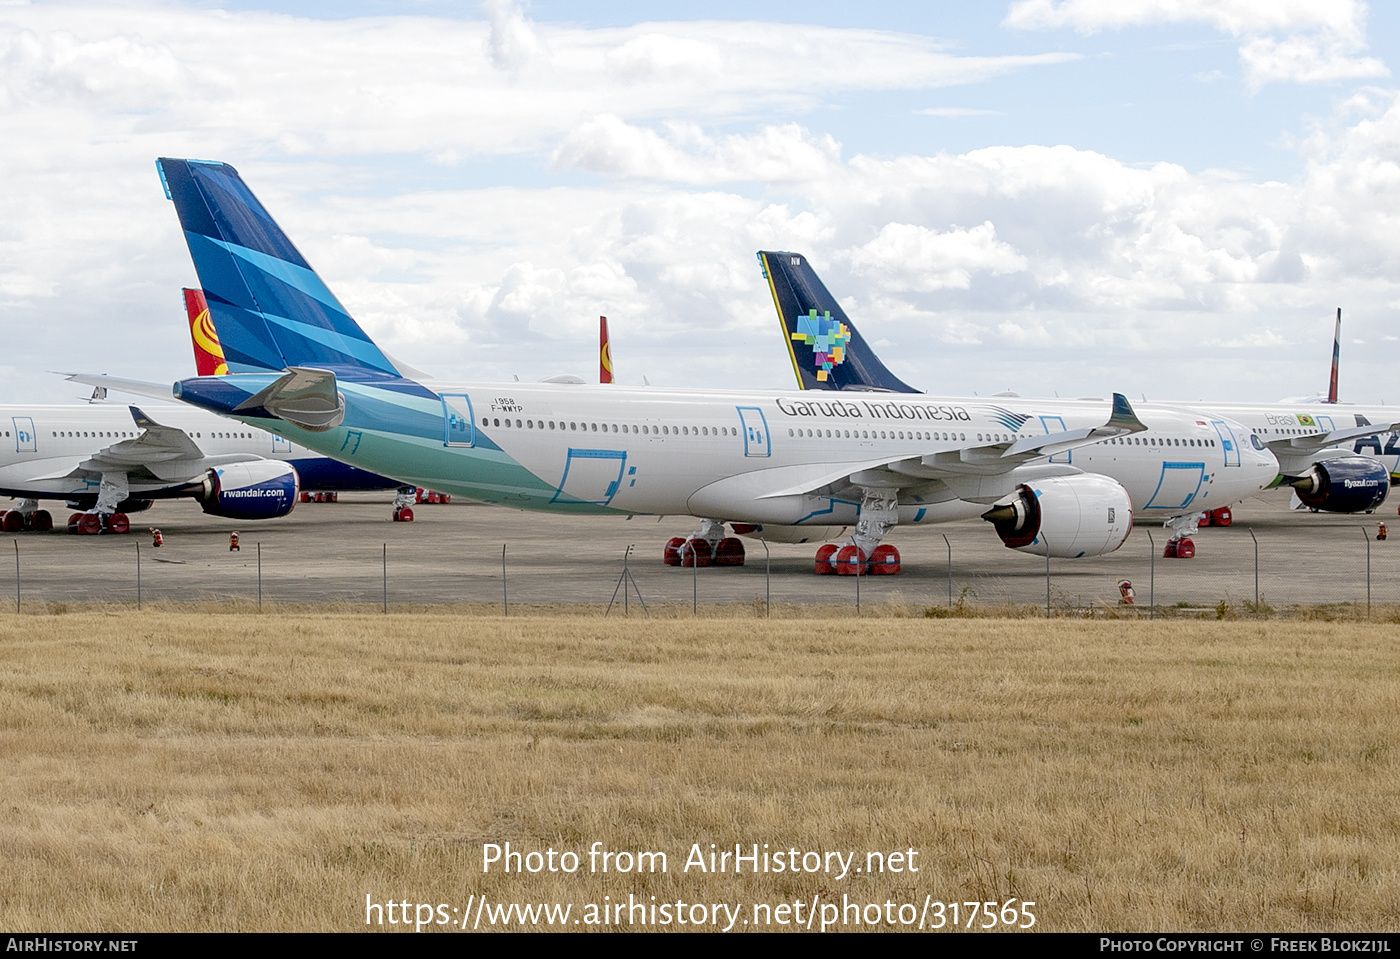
1318	447
301	367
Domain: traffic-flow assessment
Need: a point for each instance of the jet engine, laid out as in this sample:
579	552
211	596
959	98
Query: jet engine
259	489
1343	484
1068	516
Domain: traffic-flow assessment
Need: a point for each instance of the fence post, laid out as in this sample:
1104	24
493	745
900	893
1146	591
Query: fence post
1256	568
767	580
386	578
1047	574
16	542
138	575
259	575
1151	575
950	568
1364	535
505	594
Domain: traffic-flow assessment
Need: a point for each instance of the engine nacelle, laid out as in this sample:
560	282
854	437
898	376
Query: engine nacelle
1070	516
260	489
1344	484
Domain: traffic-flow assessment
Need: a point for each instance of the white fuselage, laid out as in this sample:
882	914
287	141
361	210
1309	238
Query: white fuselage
48	452
786	458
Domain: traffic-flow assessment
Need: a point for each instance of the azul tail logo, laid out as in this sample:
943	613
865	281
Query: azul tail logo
828	339
208	352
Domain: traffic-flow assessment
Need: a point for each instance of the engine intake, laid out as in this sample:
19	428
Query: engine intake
1068	516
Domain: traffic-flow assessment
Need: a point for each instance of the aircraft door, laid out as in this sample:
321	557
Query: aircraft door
25	439
280	444
1228	444
458	426
756	439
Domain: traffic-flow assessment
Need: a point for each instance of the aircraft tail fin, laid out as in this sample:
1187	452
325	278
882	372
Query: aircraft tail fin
208	352
827	351
271	309
1336	358
605	368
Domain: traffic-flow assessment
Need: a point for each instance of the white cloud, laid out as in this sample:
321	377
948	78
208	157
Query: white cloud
909	257
1299	41
1304	60
685	154
1341	18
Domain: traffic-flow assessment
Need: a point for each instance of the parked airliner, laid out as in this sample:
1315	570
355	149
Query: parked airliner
1317	445
301	367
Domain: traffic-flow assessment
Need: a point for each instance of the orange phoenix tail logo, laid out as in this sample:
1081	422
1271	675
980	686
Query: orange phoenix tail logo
605	371
208	352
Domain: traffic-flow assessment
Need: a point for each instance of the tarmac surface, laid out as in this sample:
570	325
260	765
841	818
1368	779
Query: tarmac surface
351	552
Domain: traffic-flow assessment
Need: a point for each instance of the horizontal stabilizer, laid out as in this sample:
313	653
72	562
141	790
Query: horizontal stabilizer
303	397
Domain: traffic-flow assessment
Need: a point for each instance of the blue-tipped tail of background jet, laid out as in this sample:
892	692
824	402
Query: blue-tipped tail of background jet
827	351
271	309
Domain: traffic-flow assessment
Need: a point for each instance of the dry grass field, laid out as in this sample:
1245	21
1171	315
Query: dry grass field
213	768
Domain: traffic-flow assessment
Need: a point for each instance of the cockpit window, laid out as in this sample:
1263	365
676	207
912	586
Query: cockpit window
1256	441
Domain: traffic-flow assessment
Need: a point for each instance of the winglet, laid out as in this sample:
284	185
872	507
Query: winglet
142	420
1123	417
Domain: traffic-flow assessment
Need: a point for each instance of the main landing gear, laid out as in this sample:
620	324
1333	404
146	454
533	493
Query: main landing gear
27	517
865	555
1179	544
707	546
104	516
319	497
403	504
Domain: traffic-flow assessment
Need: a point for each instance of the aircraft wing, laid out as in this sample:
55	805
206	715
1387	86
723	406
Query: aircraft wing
156	391
982	473
1314	442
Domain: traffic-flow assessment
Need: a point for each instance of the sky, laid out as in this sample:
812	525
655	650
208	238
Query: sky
1165	198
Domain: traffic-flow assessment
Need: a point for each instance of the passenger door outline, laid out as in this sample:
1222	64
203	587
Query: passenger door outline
757	442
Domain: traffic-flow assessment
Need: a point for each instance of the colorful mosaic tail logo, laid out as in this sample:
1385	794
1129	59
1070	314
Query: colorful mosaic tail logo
828	339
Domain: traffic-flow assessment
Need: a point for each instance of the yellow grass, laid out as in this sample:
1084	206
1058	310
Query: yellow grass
221	769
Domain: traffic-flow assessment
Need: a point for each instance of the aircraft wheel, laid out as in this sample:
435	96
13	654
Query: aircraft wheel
84	524
825	554
1169	551
695	552
884	561
404	514
41	521
729	552
12	521
671	555
305	497
1223	516
118	524
333	497
850	561
1185	548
